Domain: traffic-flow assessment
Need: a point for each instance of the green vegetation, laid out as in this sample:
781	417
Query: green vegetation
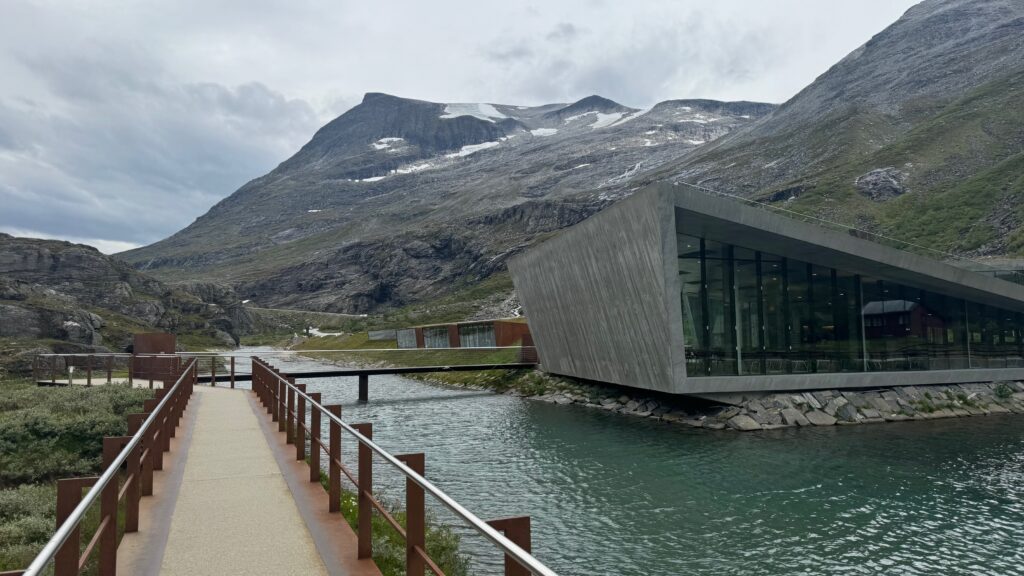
1003	390
388	545
48	433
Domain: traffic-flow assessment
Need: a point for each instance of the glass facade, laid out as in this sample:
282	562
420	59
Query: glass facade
747	312
476	336
435	337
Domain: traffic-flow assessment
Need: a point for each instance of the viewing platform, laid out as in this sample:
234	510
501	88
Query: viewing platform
225	480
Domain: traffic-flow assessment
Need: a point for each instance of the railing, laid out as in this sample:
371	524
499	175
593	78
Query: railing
287	404
141	454
60	368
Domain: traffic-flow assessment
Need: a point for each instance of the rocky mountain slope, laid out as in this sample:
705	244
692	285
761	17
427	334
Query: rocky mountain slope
72	298
401	200
918	134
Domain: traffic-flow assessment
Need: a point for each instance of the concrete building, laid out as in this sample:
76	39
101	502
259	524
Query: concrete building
683	292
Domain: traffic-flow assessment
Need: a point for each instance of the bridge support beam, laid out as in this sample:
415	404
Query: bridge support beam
364	387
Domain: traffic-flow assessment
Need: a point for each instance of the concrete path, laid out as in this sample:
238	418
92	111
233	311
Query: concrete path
234	512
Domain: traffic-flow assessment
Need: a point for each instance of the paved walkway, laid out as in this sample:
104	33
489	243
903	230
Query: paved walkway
235	513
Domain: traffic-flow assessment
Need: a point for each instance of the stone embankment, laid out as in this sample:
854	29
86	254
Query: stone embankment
818	408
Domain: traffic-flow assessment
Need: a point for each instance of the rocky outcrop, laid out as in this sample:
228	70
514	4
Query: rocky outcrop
881	184
59	292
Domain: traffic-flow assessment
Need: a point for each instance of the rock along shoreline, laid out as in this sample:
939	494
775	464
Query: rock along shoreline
797	409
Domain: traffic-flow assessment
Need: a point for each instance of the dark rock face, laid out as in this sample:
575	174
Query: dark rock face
881	184
69	292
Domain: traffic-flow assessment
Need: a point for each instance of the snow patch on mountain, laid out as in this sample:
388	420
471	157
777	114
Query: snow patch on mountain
385	143
472	149
544	131
606	120
476	110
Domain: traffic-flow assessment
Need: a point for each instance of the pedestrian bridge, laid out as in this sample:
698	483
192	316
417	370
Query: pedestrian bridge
231	480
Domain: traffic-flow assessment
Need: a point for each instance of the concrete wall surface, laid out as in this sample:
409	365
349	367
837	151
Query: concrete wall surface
600	300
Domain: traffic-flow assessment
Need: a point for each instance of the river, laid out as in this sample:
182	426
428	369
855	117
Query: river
617	495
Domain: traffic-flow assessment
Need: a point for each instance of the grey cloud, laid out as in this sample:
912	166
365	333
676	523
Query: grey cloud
137	160
563	32
513	54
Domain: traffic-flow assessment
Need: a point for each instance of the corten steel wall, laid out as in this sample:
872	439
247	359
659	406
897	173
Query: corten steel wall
603	300
154	368
509	333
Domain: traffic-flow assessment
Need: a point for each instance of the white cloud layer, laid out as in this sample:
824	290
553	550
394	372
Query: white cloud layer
122	121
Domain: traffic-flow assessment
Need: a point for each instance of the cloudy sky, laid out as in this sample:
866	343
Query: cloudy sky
122	121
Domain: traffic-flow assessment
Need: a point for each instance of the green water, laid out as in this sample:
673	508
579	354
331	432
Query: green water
610	494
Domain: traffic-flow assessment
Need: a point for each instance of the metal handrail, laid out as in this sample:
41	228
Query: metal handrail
524	558
248	353
49	551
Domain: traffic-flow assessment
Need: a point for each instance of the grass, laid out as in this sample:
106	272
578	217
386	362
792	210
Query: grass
442	544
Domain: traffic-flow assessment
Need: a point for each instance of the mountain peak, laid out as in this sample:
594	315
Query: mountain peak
593	103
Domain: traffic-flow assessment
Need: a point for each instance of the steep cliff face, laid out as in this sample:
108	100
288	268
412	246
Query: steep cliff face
398	200
72	297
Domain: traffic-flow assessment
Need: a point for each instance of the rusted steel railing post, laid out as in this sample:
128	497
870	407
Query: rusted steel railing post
88	371
282	404
232	371
333	458
146	465
365	524
53	370
132	493
108	510
213	370
300	425
110	369
155	435
69	494
314	438
289	432
131	370
364	387
516	529
415	517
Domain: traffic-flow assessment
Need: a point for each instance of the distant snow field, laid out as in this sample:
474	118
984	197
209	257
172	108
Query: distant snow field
314	211
384	143
477	110
544	131
472	149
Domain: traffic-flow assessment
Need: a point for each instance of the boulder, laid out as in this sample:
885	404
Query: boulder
848	413
743	423
819	418
794	417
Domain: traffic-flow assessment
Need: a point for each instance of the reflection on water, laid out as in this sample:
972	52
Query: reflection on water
610	494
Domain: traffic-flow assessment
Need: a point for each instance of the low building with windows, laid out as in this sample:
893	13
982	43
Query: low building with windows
684	292
501	332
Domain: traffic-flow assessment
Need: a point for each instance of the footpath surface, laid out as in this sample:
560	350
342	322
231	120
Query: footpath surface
234	512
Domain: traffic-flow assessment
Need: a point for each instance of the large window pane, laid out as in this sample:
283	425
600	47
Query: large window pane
693	319
776	323
748	314
721	331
